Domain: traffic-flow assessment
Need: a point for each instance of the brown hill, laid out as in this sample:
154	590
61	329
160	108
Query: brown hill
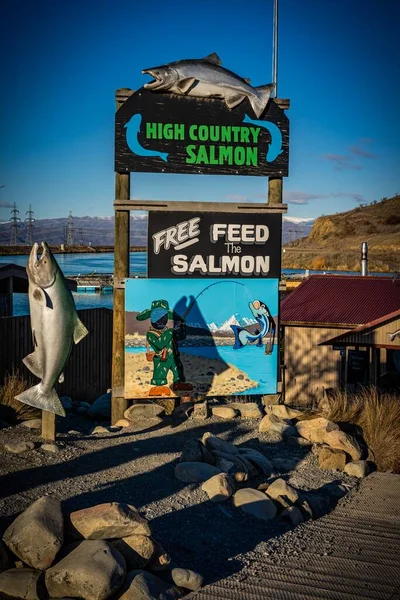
334	241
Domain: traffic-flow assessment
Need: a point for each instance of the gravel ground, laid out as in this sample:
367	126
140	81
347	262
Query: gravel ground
136	465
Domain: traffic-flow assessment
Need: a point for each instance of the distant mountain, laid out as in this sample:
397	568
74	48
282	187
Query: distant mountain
99	231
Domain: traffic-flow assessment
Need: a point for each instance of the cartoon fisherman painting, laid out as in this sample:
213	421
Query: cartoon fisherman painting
162	349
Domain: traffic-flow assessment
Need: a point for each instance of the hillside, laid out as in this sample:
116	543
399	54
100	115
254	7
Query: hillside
334	241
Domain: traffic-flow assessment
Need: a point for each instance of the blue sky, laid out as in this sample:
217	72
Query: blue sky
63	61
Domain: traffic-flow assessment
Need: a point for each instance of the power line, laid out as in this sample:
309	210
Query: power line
29	226
15	225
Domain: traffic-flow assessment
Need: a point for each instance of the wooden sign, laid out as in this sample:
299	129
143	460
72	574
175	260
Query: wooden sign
169	133
240	245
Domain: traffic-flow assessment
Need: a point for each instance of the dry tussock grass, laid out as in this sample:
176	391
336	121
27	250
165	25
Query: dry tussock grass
378	415
12	410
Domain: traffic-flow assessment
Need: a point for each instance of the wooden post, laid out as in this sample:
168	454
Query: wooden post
275	190
121	271
48	426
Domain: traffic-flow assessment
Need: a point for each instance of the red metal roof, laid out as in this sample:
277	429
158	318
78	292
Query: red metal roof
341	300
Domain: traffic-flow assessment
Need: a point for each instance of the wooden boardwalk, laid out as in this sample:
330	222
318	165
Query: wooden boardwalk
364	562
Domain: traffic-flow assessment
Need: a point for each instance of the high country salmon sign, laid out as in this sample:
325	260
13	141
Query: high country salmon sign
198	117
240	245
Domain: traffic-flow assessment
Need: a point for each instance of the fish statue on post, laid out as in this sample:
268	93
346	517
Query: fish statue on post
55	328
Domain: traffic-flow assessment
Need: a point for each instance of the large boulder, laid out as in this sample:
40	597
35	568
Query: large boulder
138	550
109	521
255	503
293	515
281	488
140	585
18	447
192	451
101	408
273	424
224	412
187	579
214	443
248	410
195	472
284	412
5	561
315	430
329	458
259	460
147	410
93	571
219	488
343	441
26	584
38	533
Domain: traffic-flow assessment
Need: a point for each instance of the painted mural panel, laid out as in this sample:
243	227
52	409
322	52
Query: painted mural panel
197	337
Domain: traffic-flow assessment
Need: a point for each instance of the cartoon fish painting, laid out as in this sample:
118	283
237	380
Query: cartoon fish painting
55	328
243	336
206	78
275	147
132	132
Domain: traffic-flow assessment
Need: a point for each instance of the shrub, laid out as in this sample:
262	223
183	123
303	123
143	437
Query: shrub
378	415
12	410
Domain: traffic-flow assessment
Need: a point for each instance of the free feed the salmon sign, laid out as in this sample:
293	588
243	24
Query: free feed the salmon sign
198	117
186	244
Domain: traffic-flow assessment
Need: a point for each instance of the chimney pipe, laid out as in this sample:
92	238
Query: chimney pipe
364	259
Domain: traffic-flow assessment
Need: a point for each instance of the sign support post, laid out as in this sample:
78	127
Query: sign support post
121	271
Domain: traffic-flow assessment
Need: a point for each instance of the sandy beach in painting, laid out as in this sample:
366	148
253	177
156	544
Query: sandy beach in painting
209	376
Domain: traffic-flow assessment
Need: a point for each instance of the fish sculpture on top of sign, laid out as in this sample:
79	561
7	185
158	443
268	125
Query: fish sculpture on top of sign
206	78
55	328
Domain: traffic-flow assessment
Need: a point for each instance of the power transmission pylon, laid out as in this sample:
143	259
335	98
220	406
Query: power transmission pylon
80	233
29	226
70	231
15	220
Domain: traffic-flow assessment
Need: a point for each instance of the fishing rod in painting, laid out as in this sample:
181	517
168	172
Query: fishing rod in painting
187	311
275	49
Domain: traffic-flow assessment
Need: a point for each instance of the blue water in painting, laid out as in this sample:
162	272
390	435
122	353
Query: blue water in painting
244	359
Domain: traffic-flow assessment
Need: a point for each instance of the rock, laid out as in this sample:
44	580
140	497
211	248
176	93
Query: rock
342	441
282	411
32	423
66	401
329	458
192	451
297	442
101	408
38	533
85	404
148	410
201	412
168	404
270	399
137	550
140	585
315	430
273	424
248	410
255	503
357	468
224	412
187	579
224	465
93	571
335	489
258	459
195	472
281	501
160	561
51	448
219	488
5	560
207	456
306	509
319	504
292	514
18	447
280	488
22	583
123	423
242	467
212	443
284	464
183	411
105	429
109	521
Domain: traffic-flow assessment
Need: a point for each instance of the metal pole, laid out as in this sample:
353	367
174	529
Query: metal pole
275	49
364	259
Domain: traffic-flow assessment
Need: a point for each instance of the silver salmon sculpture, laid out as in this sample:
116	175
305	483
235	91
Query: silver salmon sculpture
206	78
55	328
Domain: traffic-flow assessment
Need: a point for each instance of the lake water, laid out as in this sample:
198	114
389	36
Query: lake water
81	264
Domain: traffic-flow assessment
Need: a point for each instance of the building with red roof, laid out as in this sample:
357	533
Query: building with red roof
318	320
